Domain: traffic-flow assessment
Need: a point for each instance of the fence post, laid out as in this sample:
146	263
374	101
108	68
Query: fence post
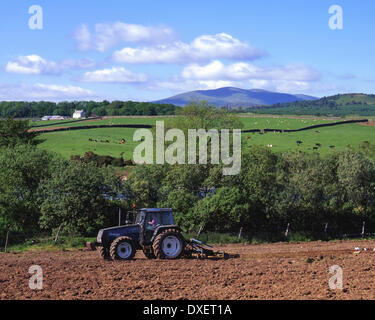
325	230
57	234
287	230
6	241
200	230
240	233
363	228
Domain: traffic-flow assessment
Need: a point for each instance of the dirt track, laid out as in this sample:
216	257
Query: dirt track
272	271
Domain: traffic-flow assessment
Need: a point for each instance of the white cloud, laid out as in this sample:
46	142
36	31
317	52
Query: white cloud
223	46
203	48
39	91
216	70
85	63
83	37
115	74
36	65
293	78
108	35
174	53
32	64
286	86
180	85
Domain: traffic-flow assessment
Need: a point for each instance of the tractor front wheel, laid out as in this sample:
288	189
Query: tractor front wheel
122	249
169	244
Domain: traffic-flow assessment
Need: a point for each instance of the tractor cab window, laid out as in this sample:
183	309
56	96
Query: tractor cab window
154	219
166	218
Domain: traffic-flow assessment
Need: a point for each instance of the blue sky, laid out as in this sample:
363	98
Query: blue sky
147	50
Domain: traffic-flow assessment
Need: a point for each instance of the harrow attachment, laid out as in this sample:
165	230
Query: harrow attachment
198	249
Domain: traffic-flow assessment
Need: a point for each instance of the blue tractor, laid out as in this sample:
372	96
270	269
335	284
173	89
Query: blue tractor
153	231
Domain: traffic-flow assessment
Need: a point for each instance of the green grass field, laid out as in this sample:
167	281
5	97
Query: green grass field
339	136
77	142
280	123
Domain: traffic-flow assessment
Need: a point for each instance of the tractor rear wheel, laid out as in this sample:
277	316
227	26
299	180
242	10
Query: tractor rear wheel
104	253
169	244
122	249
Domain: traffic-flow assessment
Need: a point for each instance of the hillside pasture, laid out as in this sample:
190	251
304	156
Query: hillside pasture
322	140
77	142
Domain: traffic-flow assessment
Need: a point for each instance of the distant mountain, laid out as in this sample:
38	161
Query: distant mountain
235	97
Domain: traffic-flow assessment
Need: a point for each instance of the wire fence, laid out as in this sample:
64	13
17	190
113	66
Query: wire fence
289	233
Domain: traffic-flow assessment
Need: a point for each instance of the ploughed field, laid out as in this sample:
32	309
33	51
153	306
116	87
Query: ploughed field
266	271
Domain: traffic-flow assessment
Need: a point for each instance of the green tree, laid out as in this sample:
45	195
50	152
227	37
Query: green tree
202	115
356	175
76	196
182	202
222	210
145	183
259	180
13	132
21	170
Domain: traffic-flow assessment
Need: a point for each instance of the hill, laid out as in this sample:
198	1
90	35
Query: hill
234	97
337	105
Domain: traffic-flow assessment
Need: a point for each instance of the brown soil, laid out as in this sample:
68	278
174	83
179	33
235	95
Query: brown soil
269	271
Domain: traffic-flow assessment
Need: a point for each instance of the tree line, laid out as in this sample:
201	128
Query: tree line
24	109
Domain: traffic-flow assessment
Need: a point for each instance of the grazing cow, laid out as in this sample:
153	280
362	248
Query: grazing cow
123	141
317	131
299	142
315	148
332	147
90	139
318	144
248	137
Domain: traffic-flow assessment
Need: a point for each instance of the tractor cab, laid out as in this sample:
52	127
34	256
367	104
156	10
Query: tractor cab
154	217
150	220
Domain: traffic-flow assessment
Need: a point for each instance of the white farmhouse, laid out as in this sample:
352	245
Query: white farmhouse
78	114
